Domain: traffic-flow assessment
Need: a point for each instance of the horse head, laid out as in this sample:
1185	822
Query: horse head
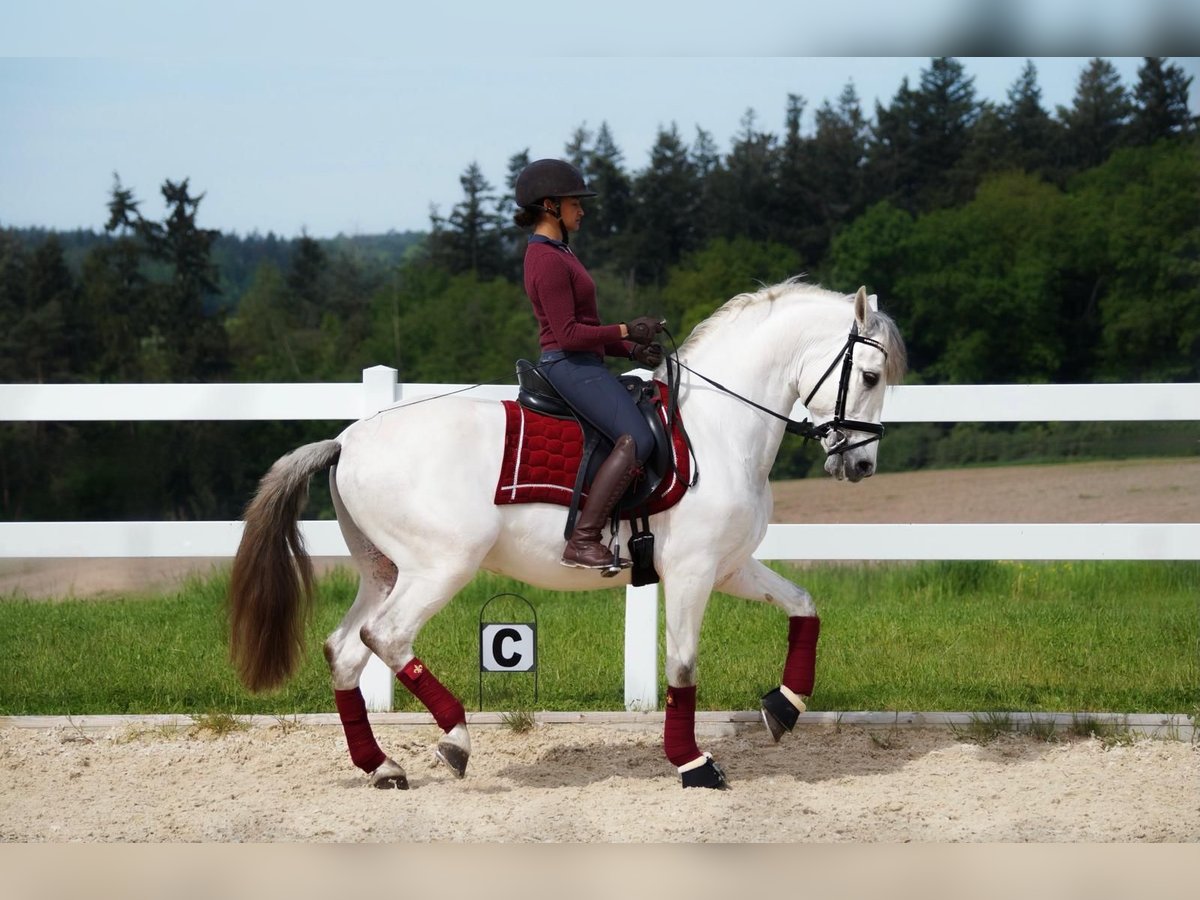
846	402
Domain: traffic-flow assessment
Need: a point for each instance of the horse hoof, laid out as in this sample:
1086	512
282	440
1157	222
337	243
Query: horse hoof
389	776
453	756
778	714
709	775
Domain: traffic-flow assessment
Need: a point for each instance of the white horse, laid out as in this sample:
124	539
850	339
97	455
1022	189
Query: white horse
413	489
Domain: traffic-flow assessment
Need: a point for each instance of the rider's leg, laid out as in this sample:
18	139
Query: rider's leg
597	396
584	548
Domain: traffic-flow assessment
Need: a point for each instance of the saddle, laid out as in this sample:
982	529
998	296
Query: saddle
537	394
551	454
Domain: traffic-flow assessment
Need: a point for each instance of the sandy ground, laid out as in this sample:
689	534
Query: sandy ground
584	783
611	784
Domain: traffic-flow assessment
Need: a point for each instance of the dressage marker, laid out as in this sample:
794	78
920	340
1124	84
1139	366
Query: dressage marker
509	647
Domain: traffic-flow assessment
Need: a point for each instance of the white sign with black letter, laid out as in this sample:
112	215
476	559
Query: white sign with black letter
508	647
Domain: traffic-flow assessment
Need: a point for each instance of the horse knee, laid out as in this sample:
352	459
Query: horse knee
681	674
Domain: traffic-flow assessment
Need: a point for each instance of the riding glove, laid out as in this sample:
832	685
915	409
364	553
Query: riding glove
643	329
649	355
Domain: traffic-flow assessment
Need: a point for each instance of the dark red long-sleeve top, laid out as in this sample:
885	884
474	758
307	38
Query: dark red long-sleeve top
564	300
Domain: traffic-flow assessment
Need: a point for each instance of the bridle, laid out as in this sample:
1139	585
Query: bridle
839	424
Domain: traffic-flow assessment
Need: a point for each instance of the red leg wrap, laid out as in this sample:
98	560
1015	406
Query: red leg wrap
679	732
800	668
352	710
446	708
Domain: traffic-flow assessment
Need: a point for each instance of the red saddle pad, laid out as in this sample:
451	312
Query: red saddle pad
542	454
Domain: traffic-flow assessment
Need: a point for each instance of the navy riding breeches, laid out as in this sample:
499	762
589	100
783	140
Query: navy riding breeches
597	395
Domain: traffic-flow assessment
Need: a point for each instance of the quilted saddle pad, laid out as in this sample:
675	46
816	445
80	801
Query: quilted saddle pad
542	455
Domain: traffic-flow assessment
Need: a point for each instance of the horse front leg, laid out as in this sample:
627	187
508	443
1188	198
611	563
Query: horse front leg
781	707
686	600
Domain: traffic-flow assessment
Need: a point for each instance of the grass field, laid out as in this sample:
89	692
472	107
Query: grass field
985	636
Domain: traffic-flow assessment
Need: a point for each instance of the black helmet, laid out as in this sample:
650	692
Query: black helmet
550	178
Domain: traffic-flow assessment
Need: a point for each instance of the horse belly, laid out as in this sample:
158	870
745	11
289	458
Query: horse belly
530	544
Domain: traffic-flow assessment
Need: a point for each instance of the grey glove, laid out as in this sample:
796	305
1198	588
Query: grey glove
643	329
649	355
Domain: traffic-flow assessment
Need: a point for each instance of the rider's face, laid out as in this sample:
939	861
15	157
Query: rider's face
572	213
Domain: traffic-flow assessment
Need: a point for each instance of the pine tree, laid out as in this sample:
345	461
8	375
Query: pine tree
1160	103
748	182
1034	140
892	169
666	199
187	315
946	110
793	213
307	281
608	213
471	239
47	331
835	169
1096	122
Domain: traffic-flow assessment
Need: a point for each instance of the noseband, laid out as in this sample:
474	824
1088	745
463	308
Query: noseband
839	424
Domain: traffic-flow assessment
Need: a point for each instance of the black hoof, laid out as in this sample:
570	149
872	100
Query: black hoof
453	756
778	713
709	775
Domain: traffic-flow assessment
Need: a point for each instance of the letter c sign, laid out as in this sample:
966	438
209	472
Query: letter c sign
508	647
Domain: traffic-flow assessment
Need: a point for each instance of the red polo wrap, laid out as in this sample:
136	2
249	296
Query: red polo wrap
679	732
352	710
799	671
447	710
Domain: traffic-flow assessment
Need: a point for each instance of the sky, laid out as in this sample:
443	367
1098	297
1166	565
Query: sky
283	129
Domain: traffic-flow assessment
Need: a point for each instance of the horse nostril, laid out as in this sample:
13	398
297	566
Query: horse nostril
864	467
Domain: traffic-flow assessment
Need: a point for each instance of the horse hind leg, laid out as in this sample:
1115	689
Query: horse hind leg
390	633
347	655
781	706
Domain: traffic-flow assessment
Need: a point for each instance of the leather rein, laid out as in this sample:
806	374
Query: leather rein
839	424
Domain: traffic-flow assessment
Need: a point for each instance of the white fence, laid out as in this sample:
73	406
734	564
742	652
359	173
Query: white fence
379	389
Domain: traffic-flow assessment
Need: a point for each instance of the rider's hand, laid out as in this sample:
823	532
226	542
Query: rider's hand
643	329
649	355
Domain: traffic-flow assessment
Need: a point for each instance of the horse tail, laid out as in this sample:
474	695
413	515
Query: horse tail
271	583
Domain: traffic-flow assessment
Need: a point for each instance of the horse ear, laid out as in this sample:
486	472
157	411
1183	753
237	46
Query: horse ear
863	307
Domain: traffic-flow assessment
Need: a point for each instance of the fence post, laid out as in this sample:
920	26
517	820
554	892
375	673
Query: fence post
641	647
377	680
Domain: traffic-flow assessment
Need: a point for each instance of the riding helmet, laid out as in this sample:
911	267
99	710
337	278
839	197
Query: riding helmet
550	178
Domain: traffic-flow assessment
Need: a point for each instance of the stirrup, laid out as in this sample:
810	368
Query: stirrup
615	567
617	564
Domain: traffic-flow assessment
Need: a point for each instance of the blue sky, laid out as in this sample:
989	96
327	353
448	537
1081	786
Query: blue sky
284	131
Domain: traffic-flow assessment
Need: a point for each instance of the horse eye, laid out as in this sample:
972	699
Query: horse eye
871	378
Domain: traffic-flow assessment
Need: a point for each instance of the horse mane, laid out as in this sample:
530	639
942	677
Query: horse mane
882	327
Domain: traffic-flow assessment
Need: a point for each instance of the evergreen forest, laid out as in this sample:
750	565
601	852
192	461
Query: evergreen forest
1012	243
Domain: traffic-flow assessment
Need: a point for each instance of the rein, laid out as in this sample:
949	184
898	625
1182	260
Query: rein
806	429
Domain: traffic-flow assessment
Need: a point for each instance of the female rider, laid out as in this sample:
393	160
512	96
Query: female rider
574	344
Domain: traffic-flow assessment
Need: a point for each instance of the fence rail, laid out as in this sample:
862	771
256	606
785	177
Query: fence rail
379	389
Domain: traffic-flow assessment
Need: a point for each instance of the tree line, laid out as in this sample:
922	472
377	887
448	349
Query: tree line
1011	243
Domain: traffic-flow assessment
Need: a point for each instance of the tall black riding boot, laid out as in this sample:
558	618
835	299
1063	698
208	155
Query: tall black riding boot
584	550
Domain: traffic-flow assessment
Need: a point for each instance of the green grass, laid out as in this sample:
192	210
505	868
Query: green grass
986	636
